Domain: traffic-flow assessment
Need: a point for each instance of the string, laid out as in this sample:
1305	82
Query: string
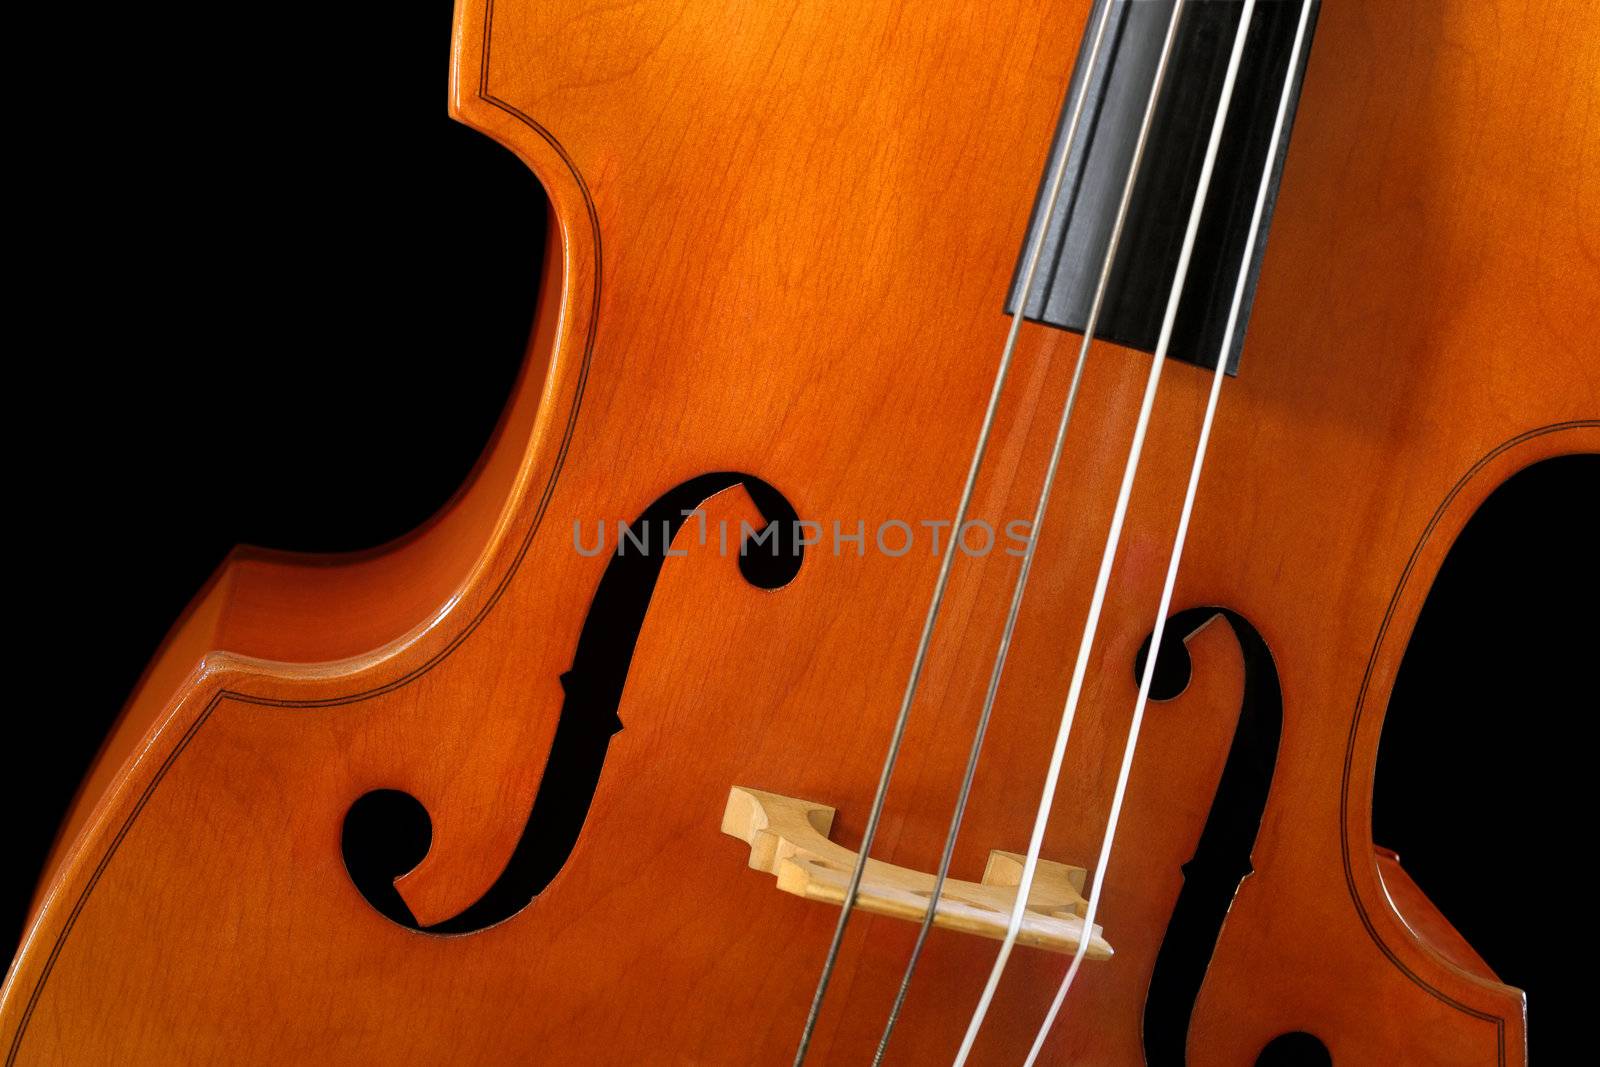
1113	538
897	735
1041	504
1132	742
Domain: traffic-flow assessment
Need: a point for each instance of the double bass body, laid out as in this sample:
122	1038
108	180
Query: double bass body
781	245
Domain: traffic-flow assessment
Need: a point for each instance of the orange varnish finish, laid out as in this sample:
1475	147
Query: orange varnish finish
783	234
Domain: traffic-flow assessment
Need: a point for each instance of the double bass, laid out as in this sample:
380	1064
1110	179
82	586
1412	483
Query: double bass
935	589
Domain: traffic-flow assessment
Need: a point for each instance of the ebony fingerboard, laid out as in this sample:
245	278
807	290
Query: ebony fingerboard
1147	254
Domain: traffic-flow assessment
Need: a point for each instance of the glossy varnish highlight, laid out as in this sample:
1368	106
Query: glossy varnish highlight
749	205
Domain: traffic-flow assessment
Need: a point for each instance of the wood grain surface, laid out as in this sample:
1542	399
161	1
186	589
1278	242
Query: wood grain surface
782	239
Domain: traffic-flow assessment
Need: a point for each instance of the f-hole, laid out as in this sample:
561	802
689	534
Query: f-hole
387	832
1222	857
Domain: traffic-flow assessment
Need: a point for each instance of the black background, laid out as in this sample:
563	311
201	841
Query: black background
287	298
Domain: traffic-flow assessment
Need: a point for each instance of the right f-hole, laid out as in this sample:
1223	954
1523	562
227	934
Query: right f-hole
1221	859
1173	670
1295	1049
